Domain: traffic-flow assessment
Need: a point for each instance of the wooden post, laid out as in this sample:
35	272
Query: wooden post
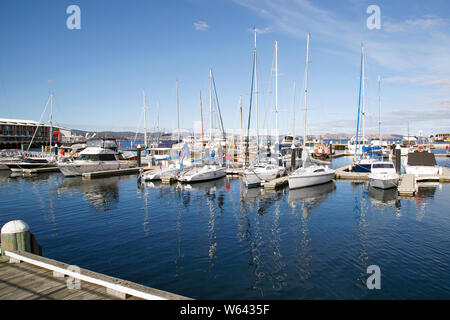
398	159
138	155
293	159
15	236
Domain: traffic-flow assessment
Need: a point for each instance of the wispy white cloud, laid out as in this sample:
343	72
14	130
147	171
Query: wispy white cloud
201	26
413	24
403	79
412	50
440	82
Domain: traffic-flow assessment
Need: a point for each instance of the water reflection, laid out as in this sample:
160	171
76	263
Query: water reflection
425	193
310	197
307	199
100	194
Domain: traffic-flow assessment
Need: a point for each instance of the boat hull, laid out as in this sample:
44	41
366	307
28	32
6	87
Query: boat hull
301	181
383	183
359	167
201	176
77	169
19	166
157	174
253	178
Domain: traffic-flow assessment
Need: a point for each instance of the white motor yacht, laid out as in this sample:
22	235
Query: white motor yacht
94	159
422	165
383	175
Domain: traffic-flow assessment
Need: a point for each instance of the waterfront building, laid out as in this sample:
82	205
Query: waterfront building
15	134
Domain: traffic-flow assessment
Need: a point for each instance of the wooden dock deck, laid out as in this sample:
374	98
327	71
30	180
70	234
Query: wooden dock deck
27	282
445	176
39	278
407	185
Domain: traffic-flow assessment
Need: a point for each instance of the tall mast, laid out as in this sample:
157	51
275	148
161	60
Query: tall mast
306	86
240	111
51	120
201	114
157	120
293	129
358	133
178	114
256	94
145	117
276	96
379	109
210	106
363	98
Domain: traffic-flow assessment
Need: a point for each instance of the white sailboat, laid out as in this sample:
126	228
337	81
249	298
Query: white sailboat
313	172
362	160
266	171
212	167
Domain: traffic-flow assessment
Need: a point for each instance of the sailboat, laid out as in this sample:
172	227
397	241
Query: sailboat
41	160
262	171
362	152
383	174
313	171
211	167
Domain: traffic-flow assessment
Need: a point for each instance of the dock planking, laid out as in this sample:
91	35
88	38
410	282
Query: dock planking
407	185
27	282
34	279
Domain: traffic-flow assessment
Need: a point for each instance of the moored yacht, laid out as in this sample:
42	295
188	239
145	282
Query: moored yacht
262	172
423	166
383	175
310	176
94	159
33	161
202	173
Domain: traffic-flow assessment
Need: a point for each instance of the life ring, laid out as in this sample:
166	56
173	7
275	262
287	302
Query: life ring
319	147
421	148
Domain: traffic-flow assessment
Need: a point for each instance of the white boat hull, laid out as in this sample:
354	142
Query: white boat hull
78	168
254	177
301	182
201	174
383	183
420	172
157	174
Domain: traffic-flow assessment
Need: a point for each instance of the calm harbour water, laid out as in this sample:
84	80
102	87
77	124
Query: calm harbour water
217	240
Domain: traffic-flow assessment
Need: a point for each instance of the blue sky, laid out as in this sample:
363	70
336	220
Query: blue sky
98	72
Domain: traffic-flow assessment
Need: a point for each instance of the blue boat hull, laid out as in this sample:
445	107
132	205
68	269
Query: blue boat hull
362	168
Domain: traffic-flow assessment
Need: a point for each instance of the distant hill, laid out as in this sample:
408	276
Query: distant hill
121	135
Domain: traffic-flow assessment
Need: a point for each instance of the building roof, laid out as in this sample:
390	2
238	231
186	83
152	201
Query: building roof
26	123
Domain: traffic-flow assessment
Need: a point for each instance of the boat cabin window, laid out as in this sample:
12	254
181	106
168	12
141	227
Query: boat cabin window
383	166
319	170
97	157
